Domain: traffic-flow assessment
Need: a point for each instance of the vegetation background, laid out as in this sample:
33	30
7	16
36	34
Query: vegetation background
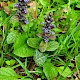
23	53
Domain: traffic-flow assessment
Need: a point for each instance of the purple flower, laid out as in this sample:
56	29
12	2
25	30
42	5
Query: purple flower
16	5
48	21
26	22
45	30
46	39
52	33
25	11
25	0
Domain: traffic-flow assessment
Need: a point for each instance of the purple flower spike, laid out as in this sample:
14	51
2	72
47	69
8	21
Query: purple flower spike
46	34
22	9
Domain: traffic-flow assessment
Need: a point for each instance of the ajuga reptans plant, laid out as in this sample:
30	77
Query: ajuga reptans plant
22	9
47	27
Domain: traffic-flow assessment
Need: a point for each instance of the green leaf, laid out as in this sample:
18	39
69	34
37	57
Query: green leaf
33	42
39	79
39	58
8	62
8	74
14	21
11	62
25	28
24	51
21	40
52	46
57	30
45	3
25	78
42	46
50	71
64	72
77	58
21	49
78	5
10	5
11	37
1	61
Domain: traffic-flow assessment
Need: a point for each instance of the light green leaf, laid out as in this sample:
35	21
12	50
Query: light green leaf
52	46
21	40
8	74
42	46
39	79
77	58
57	30
45	3
39	58
21	48
64	72
50	71
10	5
10	62
24	51
25	78
11	37
33	42
78	5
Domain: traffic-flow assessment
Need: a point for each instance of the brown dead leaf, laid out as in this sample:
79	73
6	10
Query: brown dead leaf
63	17
32	5
75	74
33	9
2	4
64	30
34	14
39	35
7	10
76	78
52	37
17	70
55	79
65	10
